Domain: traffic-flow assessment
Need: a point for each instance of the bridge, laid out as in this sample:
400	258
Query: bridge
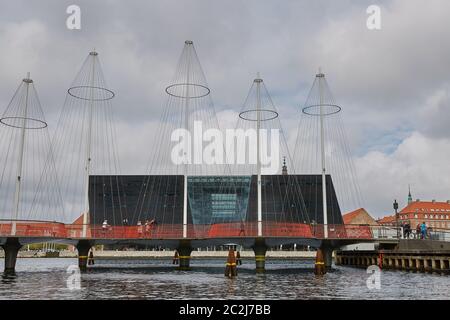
196	204
171	236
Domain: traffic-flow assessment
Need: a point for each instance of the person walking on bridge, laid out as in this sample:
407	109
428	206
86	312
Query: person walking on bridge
423	230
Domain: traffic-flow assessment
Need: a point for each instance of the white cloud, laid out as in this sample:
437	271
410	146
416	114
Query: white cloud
419	160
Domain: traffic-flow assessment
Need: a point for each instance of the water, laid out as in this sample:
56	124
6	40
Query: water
157	279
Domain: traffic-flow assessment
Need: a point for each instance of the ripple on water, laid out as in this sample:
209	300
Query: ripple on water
158	279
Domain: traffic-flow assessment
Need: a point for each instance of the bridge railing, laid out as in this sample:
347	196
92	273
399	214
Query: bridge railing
26	228
341	231
33	228
222	230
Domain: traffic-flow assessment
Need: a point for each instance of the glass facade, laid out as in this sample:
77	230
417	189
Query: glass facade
218	199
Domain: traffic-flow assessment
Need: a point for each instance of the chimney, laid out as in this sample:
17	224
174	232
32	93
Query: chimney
417	200
434	200
448	201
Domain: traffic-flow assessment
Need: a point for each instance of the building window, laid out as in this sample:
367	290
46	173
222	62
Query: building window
416	216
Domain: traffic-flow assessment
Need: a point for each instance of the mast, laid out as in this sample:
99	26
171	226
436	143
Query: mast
88	147
320	77
258	159
20	160
186	126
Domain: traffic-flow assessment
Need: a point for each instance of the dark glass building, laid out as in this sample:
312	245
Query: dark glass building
211	199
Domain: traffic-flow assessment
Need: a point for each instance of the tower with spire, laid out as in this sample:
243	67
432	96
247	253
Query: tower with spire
409	194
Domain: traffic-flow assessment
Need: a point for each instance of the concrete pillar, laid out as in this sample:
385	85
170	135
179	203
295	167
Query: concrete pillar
433	264
442	264
390	262
410	263
425	264
260	250
328	257
83	247
184	250
11	248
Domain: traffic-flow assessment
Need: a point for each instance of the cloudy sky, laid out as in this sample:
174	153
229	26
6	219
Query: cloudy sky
393	84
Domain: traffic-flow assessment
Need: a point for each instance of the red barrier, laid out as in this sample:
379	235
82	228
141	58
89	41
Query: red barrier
34	229
170	231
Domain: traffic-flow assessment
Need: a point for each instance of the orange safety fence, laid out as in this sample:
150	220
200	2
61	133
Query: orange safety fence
170	231
34	229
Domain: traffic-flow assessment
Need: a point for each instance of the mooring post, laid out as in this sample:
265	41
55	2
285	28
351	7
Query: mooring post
260	249
184	249
83	247
11	248
231	266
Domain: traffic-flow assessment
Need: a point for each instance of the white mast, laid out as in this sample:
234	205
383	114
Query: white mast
320	77
186	126
258	159
20	161
88	147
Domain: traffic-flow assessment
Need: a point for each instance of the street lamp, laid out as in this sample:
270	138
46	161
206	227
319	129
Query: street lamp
396	218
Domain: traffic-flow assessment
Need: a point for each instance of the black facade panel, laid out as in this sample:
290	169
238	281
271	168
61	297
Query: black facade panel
291	198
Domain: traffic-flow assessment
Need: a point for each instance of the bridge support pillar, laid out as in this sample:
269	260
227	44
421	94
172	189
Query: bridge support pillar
184	250
328	257
83	247
11	248
324	260
260	249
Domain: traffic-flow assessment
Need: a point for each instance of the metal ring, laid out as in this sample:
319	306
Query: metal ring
110	94
335	109
170	91
273	114
39	123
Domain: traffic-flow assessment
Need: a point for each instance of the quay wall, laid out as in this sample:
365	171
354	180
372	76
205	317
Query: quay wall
168	254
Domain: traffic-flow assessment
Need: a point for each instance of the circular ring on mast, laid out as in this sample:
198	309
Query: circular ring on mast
251	115
84	93
30	123
177	89
314	109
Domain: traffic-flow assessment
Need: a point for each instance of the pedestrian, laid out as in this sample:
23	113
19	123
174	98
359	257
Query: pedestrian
407	230
147	228
242	231
91	258
139	228
176	258
418	231
104	226
423	230
238	258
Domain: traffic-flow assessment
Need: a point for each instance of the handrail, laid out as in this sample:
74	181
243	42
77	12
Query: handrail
52	229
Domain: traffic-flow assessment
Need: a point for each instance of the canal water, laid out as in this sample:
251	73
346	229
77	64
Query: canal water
47	278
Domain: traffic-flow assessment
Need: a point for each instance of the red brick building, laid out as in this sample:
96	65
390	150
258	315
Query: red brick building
359	216
435	214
